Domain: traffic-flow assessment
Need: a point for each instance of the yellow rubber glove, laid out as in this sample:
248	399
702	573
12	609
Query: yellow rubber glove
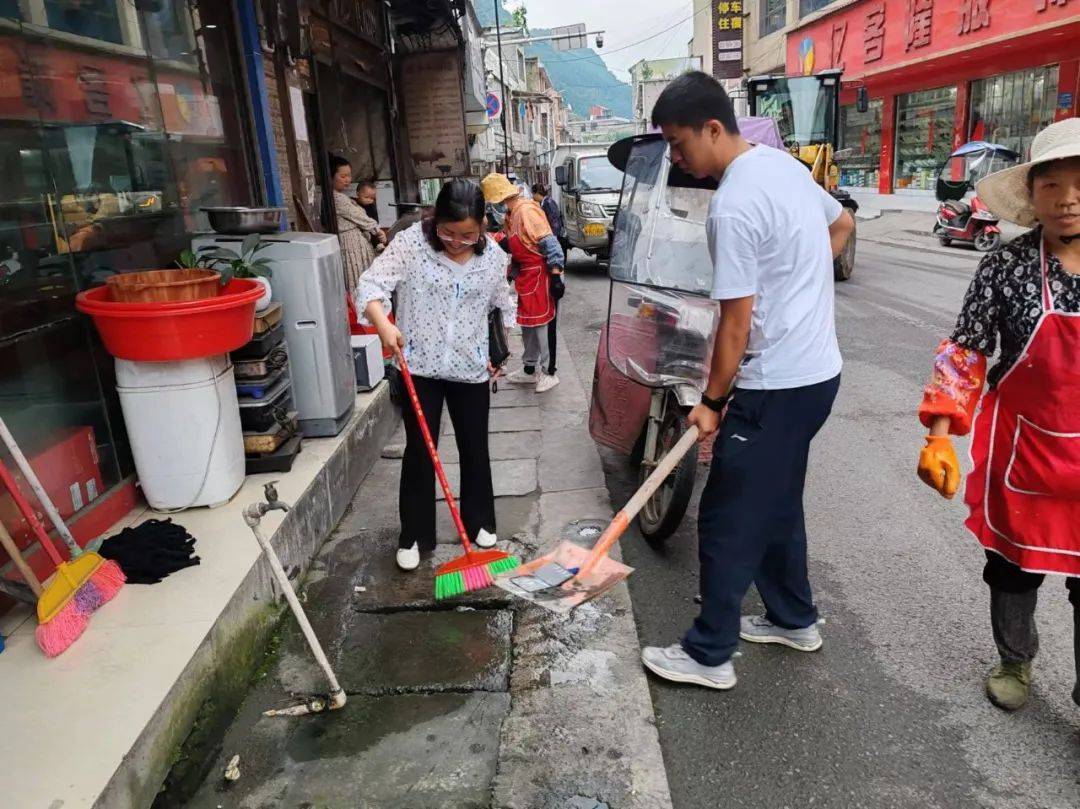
938	467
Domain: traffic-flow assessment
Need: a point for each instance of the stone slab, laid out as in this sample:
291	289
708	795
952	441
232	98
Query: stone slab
501	447
513	396
503	420
513	515
569	460
445	650
421	751
508	478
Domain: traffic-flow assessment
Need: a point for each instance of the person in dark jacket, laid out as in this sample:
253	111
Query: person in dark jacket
554	216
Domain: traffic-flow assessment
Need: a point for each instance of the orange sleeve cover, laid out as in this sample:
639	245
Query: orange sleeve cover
955	387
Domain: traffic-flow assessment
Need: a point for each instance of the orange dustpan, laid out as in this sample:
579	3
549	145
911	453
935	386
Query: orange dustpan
571	575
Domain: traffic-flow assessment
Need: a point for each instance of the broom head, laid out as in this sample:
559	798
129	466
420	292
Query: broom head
77	589
472	571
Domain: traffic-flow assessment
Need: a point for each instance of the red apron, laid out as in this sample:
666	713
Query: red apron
1024	491
535	304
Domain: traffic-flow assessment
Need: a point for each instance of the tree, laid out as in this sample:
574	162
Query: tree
646	71
520	17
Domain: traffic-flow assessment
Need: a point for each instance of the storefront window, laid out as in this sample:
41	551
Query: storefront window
106	155
924	133
773	14
1010	109
861	133
810	6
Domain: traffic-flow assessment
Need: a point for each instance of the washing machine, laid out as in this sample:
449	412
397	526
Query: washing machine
307	277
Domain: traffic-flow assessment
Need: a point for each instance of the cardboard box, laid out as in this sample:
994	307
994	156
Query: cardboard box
70	473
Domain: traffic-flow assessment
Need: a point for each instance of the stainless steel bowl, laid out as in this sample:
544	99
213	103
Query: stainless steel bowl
241	221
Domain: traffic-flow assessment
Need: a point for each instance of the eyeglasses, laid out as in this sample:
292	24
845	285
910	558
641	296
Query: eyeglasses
448	238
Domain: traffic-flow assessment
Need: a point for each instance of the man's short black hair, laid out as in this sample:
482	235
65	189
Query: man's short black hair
691	100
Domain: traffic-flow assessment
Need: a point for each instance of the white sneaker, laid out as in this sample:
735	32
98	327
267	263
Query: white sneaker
673	663
409	558
519	377
546	382
485	539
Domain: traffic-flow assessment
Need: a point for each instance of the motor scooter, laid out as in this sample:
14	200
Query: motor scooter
961	215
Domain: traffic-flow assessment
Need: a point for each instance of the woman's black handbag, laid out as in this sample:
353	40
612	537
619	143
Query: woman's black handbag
498	348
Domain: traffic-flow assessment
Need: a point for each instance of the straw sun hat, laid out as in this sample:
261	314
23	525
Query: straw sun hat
1006	192
497	188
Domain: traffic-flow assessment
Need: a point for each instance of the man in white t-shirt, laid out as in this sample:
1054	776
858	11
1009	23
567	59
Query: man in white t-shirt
772	234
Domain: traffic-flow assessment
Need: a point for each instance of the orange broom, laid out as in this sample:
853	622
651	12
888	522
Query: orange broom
474	570
79	586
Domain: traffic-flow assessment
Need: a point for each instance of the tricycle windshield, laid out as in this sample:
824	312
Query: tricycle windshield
597	174
973	166
659	237
660	337
804	108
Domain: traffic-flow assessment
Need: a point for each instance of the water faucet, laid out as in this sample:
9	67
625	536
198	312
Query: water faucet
254	512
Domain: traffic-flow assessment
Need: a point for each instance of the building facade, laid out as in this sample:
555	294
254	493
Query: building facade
649	77
940	73
124	119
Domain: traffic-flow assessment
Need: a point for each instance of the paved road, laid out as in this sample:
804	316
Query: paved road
891	712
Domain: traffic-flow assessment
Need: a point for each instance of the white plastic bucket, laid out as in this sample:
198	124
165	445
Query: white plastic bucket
183	422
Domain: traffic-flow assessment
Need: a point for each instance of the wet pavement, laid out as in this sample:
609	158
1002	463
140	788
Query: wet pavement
475	702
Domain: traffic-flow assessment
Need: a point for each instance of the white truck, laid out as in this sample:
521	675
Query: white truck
587	190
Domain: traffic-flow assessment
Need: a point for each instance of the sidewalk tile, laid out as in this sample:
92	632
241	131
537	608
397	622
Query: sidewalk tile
509	478
568	460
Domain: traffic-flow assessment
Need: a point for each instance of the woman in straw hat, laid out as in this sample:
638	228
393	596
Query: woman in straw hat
1023	493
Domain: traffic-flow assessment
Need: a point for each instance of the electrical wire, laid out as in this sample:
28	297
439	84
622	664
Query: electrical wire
632	44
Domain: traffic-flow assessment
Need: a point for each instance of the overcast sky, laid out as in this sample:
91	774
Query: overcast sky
625	21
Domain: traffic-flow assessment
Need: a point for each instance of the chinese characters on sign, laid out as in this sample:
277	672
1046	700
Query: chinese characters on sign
874	33
727	24
1042	5
919	18
95	90
974	14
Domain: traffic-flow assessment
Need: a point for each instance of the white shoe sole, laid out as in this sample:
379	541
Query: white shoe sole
689	679
780	640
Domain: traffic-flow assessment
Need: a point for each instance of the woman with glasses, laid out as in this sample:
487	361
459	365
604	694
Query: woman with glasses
448	275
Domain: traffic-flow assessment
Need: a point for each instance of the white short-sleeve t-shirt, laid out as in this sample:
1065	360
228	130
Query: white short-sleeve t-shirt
768	232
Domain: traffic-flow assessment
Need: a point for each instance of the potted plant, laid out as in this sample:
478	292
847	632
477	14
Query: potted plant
233	264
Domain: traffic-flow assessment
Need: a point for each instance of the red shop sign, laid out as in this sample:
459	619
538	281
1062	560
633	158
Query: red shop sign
877	34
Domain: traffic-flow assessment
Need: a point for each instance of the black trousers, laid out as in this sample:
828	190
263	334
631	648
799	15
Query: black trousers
553	340
468	404
751	528
1014	594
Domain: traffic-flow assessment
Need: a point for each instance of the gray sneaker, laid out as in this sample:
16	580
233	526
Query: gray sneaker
673	663
759	629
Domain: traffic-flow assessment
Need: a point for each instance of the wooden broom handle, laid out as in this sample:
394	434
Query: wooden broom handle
27	511
621	520
16	557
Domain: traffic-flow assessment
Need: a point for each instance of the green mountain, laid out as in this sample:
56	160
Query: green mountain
580	75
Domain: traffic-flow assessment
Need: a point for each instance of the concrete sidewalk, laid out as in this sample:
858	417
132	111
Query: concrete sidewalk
479	702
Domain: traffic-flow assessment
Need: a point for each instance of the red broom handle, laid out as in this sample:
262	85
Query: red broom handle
432	452
28	514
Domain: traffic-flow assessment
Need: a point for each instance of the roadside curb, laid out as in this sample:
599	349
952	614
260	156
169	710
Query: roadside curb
581	727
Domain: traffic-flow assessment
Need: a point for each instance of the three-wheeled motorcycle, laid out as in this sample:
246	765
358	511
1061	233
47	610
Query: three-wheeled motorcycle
961	215
653	359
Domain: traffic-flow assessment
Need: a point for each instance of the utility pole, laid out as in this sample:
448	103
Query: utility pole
502	81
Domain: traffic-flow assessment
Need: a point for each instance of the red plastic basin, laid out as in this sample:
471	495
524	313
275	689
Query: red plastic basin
163	332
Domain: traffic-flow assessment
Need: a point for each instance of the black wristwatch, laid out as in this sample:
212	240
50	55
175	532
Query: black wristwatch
716	405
